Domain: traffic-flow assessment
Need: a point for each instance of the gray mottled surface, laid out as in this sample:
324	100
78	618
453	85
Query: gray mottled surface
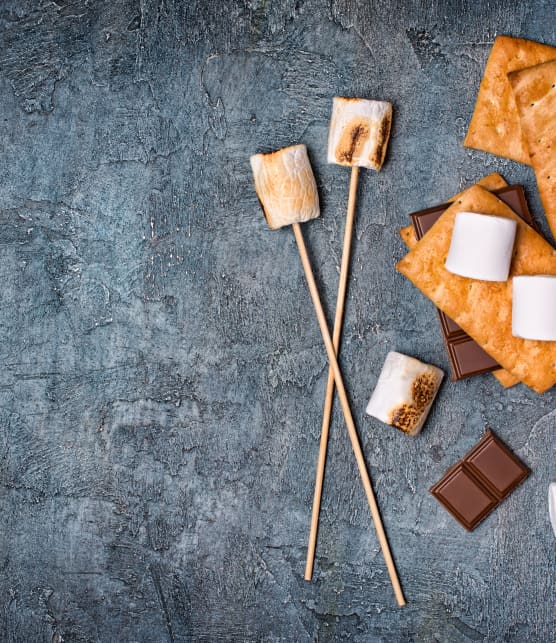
162	372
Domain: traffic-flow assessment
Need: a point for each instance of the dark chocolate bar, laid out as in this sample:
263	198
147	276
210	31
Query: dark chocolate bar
467	358
479	482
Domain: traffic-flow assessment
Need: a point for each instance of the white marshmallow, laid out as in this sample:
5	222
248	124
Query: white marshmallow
552	505
404	392
481	246
286	186
534	307
359	132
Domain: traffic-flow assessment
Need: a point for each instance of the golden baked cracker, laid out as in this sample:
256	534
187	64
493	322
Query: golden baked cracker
484	308
505	378
490	182
535	96
495	124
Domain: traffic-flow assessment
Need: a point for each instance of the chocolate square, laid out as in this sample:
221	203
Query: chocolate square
449	326
466	499
480	481
467	357
496	465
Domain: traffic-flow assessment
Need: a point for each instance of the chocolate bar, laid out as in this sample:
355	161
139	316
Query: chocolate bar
480	481
467	358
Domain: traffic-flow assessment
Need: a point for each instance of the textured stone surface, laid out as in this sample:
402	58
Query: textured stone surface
162	372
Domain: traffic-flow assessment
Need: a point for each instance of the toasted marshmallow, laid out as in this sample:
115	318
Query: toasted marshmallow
359	132
404	392
481	246
286	186
534	307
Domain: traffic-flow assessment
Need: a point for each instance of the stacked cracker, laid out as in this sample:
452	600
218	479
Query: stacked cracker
482	308
490	182
515	113
515	117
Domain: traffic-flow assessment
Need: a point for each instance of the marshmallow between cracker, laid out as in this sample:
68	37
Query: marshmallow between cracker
534	307
286	186
481	246
404	392
359	132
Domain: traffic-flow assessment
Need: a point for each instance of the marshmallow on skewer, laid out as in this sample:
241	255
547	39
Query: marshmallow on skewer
404	392
286	186
359	132
291	202
358	136
481	246
534	307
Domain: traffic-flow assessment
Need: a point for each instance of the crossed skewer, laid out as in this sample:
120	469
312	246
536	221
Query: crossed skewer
287	190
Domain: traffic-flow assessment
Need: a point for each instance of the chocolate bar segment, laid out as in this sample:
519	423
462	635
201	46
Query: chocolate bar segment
497	466
480	481
467	358
463	497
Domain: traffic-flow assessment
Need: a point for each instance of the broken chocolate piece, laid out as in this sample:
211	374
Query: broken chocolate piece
480	481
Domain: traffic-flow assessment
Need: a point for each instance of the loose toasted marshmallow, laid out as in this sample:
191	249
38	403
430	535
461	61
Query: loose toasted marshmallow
481	246
359	132
404	392
534	307
286	186
552	505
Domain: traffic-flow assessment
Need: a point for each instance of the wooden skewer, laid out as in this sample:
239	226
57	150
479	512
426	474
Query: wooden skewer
337	332
347	414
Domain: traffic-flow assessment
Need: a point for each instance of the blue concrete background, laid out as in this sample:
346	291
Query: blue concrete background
162	371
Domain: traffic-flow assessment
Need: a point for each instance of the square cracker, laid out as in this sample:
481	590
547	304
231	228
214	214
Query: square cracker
492	181
484	308
535	96
495	125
